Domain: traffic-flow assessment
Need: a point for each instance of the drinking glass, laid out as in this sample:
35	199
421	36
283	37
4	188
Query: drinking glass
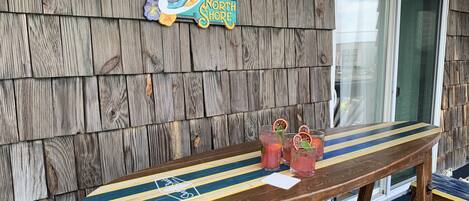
271	148
287	147
318	142
303	162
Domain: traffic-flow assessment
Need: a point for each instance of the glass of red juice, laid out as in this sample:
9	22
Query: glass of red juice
303	162
271	148
287	147
318	143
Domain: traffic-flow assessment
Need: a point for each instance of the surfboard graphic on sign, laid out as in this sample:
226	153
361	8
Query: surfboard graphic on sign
176	188
203	12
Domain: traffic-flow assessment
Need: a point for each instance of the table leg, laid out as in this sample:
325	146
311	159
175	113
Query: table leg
366	192
423	191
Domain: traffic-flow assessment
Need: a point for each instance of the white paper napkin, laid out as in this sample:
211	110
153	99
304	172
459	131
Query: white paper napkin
281	181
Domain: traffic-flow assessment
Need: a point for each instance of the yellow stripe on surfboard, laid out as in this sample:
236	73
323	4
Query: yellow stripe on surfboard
361	130
220	193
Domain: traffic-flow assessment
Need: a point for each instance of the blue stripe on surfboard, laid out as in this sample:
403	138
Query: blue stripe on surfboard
368	133
260	173
367	144
214	170
451	186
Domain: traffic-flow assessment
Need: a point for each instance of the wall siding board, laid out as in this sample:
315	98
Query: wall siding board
244	12
290	46
179	136
304	94
324	11
34	108
264	118
68	106
14	54
25	6
320	84
193	95
172	49
46	46
4	5
112	155
159	146
185	40
200	41
217	48
300	14
136	149
239	91
266	89
309	116
177	87
217	93
300	48
324	42
62	7
91	104
201	135
278	48
132	61
86	7
310	48
8	120
251	127
234	49
250	37
152	47
141	103
236	128
281	87
293	82
107	58
220	134
113	102
60	164
280	9
29	175
67	197
164	107
88	160
253	93
321	111
6	186
265	48
258	12
77	50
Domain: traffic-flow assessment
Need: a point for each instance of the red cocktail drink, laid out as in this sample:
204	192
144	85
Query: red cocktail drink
303	162
271	149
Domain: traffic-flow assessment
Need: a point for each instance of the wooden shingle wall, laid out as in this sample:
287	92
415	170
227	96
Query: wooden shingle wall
90	91
454	143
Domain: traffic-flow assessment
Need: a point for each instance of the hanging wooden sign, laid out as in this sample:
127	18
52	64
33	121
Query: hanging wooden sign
204	12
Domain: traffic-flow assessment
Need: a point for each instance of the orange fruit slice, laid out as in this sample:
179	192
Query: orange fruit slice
303	128
301	136
280	124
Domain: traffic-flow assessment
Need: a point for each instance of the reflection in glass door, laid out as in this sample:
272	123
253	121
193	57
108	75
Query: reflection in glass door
363	32
417	65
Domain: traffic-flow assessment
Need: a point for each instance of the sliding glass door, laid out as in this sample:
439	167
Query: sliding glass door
386	55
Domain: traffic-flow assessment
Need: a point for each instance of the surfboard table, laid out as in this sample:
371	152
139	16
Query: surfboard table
355	157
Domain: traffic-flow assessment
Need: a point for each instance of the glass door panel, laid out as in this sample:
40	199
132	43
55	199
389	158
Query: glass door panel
361	44
419	29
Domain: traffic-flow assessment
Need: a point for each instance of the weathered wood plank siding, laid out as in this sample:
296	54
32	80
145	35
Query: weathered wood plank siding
453	150
90	91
